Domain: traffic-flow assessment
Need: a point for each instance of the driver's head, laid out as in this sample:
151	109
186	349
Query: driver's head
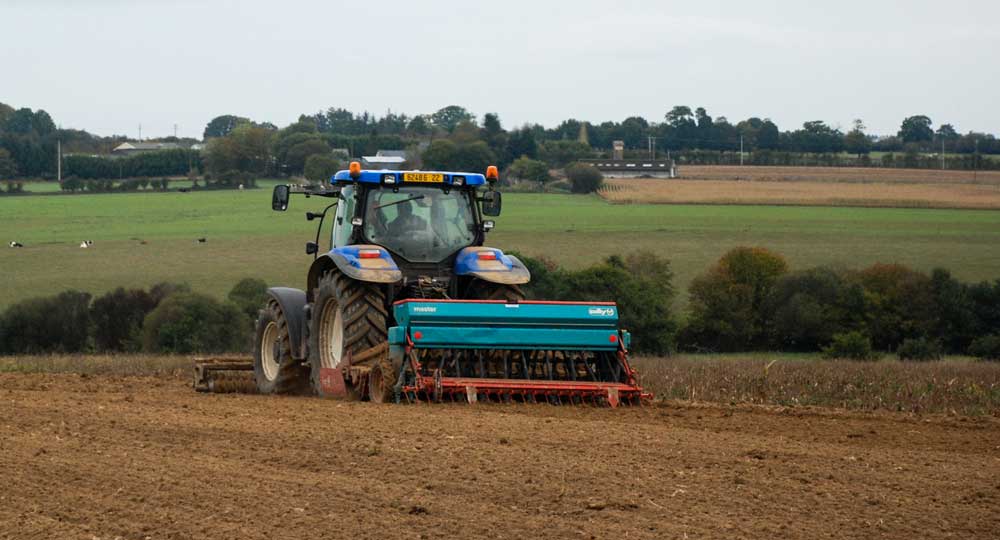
405	208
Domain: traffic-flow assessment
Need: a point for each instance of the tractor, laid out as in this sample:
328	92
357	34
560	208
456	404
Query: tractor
409	304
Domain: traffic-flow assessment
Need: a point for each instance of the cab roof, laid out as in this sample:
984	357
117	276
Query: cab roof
410	178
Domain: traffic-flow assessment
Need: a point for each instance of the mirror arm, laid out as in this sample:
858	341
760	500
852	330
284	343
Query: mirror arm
319	229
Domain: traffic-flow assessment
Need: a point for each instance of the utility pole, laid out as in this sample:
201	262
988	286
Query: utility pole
175	131
741	150
942	154
59	160
652	147
975	163
140	132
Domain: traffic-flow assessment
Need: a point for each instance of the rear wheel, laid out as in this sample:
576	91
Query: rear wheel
486	290
274	369
348	316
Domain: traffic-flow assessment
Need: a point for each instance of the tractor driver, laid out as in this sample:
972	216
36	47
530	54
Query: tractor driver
406	222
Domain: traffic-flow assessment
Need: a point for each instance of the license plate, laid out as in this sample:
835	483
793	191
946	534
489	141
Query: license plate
422	177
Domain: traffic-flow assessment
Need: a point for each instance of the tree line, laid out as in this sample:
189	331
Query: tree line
454	135
749	300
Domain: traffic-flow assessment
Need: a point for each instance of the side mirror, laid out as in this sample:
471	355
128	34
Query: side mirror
279	198
491	203
312	248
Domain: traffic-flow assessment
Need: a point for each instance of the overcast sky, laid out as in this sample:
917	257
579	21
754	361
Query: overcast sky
109	65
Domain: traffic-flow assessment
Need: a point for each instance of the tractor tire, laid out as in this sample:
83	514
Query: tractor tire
274	369
382	382
486	290
347	315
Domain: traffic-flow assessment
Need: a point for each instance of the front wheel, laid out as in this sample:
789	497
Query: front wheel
348	316
274	369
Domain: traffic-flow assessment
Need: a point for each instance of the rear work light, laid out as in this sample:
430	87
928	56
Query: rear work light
458	180
388	178
369	253
487	256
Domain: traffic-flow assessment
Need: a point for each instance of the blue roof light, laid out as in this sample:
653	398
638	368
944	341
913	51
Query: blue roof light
376	177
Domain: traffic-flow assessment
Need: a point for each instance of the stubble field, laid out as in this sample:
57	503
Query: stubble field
813	186
105	456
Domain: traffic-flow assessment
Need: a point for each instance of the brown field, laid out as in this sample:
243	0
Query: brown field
838	174
109	455
813	186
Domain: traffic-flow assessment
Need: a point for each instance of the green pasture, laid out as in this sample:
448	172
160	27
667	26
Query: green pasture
245	238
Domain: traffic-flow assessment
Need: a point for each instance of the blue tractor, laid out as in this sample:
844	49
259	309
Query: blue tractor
408	303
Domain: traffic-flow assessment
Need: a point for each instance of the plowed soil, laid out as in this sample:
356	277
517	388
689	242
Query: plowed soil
100	457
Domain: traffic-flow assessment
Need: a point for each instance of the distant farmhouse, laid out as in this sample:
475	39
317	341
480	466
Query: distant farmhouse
385	159
130	148
620	167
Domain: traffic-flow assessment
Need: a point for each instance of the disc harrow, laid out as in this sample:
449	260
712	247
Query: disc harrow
224	376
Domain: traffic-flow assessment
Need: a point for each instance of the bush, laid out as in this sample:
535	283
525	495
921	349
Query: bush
956	320
189	322
532	170
899	303
583	178
919	349
59	323
807	308
249	295
117	318
164	289
986	347
641	284
321	167
727	304
72	184
850	345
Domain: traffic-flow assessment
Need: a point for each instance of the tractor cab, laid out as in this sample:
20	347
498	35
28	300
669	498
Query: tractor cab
418	217
421	233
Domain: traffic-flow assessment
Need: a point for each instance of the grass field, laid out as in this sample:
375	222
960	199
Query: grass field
245	238
51	186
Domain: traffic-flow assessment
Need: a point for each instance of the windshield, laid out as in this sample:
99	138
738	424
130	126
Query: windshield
423	224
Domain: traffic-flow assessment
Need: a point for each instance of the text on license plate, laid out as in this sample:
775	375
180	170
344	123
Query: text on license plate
422	177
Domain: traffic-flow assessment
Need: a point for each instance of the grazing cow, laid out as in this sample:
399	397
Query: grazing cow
15	243
202	240
86	243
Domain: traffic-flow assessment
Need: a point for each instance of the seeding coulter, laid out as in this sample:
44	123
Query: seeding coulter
408	305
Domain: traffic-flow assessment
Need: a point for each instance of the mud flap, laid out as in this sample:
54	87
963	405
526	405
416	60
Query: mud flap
332	383
471	394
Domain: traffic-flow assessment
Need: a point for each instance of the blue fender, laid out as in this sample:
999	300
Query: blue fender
348	260
491	264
